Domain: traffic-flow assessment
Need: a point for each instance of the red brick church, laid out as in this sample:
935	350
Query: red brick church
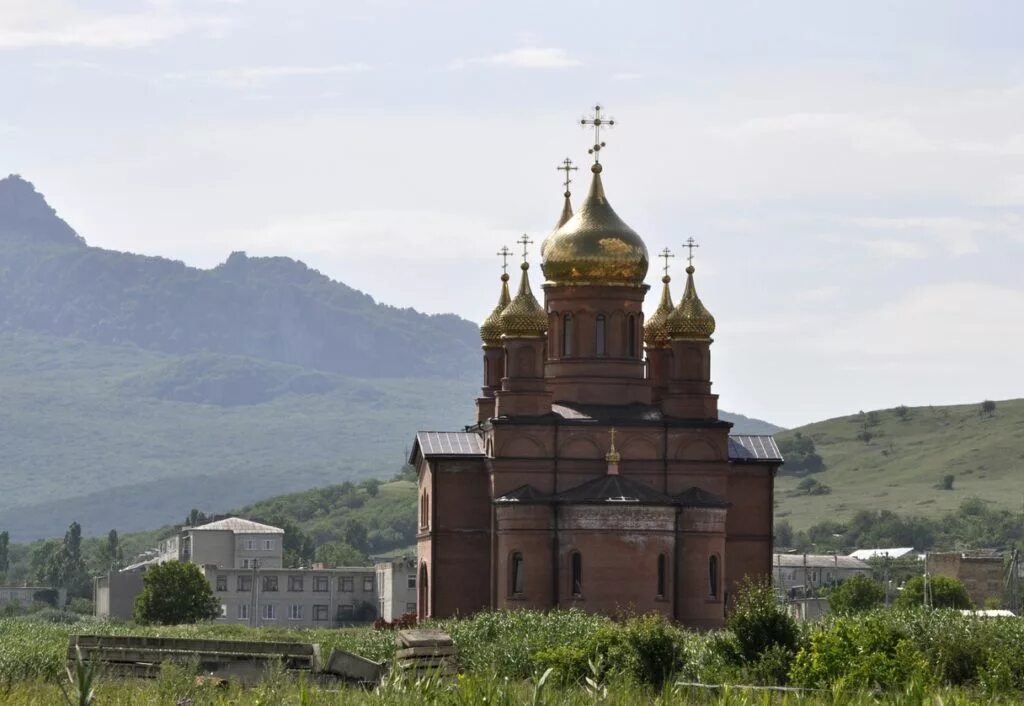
598	474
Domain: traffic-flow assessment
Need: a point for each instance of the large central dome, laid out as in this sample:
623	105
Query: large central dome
595	246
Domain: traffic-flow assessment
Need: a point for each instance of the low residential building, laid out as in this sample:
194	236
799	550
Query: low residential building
244	563
115	593
294	597
396	587
981	573
804	573
26	596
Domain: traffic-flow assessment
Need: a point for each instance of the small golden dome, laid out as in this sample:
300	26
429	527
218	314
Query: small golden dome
690	320
524	316
656	327
490	329
595	246
562	220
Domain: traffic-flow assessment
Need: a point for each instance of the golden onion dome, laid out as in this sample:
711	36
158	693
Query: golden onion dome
690	320
563	218
595	246
524	316
490	329
656	327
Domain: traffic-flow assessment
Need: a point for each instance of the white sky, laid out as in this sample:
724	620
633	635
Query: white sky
854	172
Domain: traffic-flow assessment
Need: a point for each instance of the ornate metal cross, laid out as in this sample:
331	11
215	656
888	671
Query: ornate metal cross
504	254
690	244
566	166
597	121
665	255
525	241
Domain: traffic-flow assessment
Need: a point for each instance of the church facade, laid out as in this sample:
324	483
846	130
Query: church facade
597	474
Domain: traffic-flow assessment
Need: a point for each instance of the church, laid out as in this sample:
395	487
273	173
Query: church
597	474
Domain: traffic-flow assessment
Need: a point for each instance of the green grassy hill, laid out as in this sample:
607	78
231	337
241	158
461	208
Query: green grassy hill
901	467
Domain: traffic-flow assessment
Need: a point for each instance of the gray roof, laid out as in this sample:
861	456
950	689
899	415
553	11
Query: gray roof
525	495
698	497
613	489
447	443
743	447
818	561
239	526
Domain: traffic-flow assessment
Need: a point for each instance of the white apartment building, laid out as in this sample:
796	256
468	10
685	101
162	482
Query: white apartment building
396	587
243	561
808	572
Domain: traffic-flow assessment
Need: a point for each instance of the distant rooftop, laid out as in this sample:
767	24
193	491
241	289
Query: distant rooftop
447	443
891	552
239	526
818	561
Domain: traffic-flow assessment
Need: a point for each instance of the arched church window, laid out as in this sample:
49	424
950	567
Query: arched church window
631	336
713	576
661	575
577	574
516	574
567	335
424	597
424	509
600	329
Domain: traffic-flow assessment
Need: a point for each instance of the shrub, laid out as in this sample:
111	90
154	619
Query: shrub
175	592
946	592
645	649
855	594
759	622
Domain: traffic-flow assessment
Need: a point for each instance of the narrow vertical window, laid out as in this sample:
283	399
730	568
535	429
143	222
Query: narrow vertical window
631	336
600	327
661	576
567	335
516	574
713	576
577	574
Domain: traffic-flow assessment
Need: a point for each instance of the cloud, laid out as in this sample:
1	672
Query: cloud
53	24
254	75
897	249
526	58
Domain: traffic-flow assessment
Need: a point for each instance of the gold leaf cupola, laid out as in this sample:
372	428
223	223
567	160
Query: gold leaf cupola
656	327
595	246
690	320
491	329
524	316
563	218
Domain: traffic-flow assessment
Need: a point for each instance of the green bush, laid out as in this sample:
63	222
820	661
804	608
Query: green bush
946	592
175	592
873	650
645	649
759	622
856	594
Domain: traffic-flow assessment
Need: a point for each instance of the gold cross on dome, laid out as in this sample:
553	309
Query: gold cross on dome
597	121
665	255
525	241
611	433
504	254
566	166
690	244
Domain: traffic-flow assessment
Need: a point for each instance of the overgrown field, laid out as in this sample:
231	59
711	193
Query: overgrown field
570	657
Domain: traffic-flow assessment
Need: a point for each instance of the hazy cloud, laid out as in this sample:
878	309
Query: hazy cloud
526	58
254	75
55	24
